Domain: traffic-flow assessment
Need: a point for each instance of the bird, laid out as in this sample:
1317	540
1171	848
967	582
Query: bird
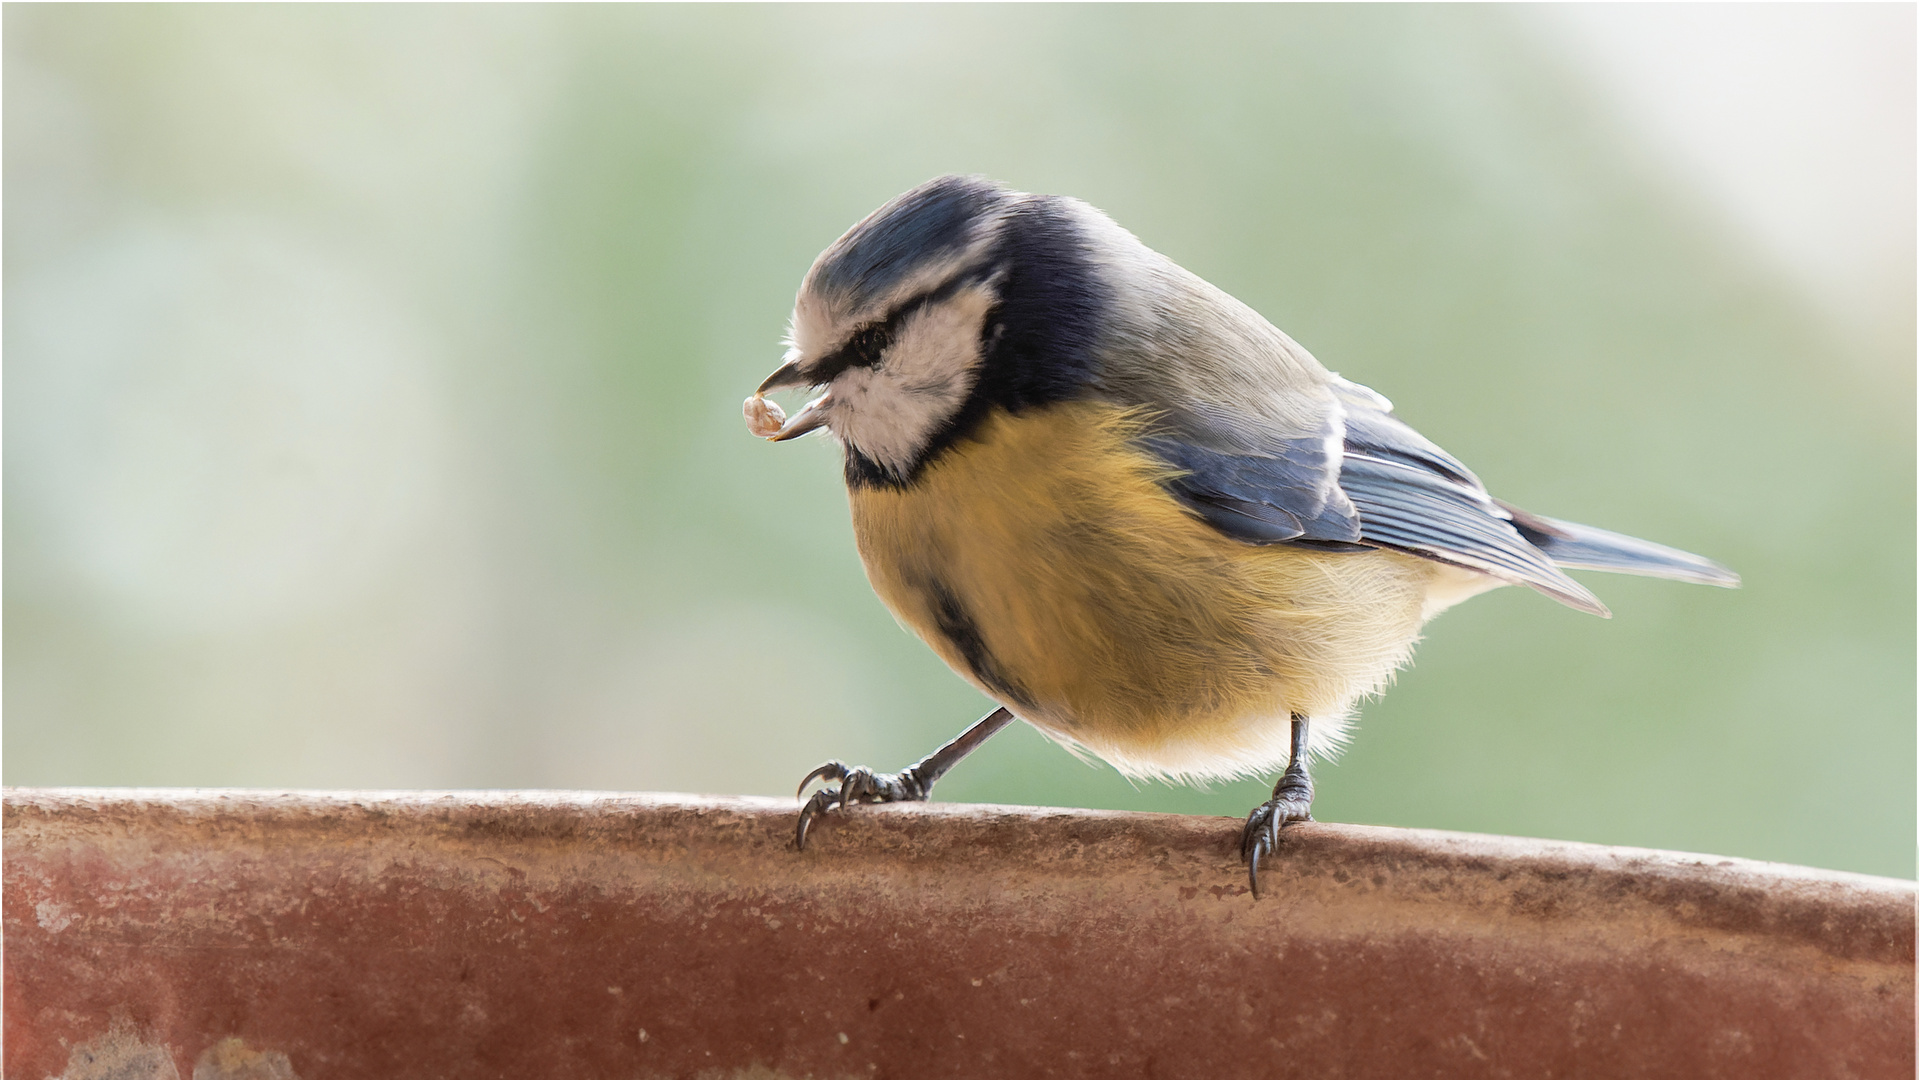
1128	508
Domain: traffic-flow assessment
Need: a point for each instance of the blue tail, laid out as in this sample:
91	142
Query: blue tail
1582	547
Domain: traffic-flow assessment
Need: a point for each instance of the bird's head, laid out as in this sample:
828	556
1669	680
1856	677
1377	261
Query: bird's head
914	322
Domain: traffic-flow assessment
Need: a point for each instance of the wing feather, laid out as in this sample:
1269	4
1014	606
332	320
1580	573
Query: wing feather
1365	479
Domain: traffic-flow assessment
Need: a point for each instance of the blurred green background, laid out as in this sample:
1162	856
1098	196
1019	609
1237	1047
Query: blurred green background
373	380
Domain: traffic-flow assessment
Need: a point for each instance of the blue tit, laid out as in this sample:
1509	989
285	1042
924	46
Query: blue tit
1128	508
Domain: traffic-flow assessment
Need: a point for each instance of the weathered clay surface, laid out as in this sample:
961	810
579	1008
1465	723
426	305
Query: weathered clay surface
348	935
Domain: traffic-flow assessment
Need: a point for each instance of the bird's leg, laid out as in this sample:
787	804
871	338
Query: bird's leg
858	784
1292	802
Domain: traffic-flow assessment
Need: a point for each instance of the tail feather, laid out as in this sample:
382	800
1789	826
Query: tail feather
1582	547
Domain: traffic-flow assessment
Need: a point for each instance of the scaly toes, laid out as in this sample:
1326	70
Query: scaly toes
859	785
1260	838
856	784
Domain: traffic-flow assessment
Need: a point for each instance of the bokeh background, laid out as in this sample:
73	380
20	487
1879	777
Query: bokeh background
372	384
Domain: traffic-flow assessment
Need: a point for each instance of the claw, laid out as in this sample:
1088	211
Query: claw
1261	836
1292	802
1263	840
815	808
831	771
857	784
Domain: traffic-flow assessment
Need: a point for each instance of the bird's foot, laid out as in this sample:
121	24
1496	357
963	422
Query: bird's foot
1292	802
857	784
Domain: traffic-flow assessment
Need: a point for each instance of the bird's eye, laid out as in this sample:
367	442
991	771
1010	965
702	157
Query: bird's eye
869	345
863	349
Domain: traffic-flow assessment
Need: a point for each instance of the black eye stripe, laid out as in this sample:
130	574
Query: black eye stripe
869	343
864	349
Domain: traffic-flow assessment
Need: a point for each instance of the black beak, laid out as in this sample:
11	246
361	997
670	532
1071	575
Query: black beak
786	377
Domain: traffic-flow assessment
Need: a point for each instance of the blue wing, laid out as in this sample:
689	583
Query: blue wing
1365	480
1285	491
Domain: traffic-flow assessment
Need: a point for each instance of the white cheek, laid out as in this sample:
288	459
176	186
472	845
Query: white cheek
891	412
875	413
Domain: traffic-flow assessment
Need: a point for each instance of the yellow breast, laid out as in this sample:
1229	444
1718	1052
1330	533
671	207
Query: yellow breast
1043	561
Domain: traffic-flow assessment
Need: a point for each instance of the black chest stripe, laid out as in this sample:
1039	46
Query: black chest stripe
950	617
